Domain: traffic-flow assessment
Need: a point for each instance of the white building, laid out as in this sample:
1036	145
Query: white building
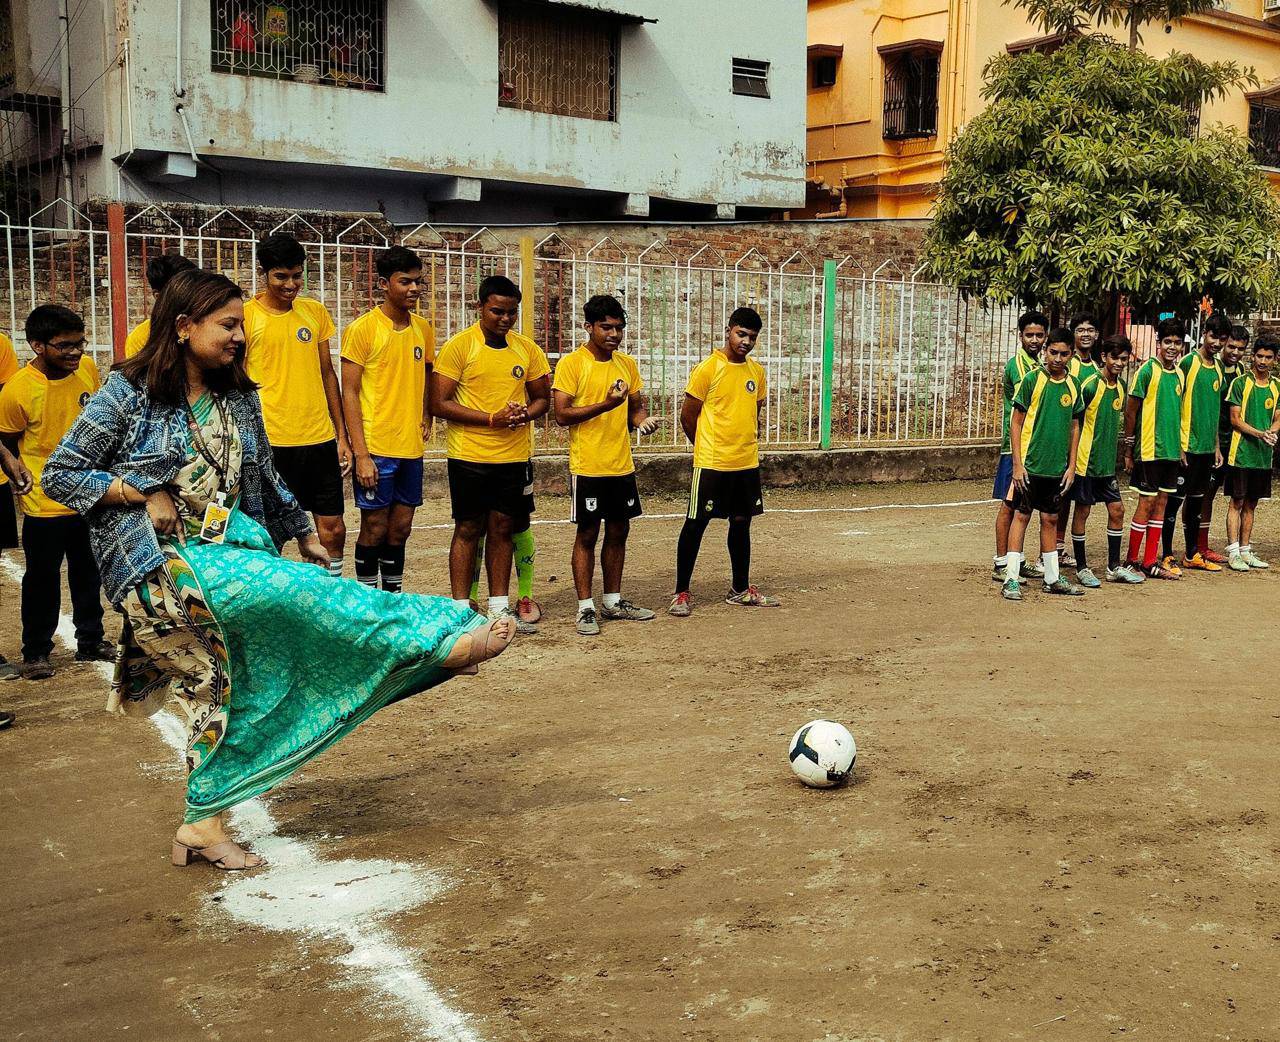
447	110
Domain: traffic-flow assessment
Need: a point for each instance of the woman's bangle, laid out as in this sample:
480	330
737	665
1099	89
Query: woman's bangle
489	421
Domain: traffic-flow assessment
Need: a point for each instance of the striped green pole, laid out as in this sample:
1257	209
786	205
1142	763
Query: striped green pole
828	350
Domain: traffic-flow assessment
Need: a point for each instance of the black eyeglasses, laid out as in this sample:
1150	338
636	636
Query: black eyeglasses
67	345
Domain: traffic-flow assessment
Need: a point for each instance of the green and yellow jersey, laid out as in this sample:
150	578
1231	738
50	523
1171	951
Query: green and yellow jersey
1229	374
1081	370
1201	403
1100	426
1257	403
1051	406
1015	369
1159	393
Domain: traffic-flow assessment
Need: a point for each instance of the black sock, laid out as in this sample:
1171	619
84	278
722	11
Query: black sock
740	552
367	565
687	552
1113	548
391	562
1191	524
1170	525
1077	546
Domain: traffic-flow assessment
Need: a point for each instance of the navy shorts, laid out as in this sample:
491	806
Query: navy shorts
1091	491
1003	486
399	481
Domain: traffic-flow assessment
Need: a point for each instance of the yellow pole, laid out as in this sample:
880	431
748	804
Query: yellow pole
526	285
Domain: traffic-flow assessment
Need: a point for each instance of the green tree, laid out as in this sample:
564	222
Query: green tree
1082	182
1073	17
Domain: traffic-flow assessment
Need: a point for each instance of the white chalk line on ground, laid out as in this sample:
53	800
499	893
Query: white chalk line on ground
335	900
771	510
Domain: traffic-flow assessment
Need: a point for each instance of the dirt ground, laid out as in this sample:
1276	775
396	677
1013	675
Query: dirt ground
1062	825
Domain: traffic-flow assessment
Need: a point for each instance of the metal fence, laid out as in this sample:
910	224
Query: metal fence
853	357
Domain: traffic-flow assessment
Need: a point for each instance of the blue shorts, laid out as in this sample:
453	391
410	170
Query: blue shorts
1003	485
399	481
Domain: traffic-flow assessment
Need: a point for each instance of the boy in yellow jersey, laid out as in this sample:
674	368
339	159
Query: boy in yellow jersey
287	356
721	416
1084	328
8	510
490	383
1232	351
597	396
1045	435
1103	395
1255	421
387	355
1154	411
37	407
160	270
1033	327
1201	408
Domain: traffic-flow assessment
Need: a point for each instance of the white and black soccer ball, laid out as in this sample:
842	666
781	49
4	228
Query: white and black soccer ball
822	754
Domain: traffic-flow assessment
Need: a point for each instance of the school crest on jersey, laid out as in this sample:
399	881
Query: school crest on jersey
1270	403
304	334
1115	403
84	399
751	386
417	353
1065	400
517	371
1217	385
590	504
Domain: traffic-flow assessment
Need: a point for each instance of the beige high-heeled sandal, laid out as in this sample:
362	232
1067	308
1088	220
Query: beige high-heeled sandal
226	856
486	644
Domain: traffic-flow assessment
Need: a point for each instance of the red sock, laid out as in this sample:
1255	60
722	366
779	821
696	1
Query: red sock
1155	529
1136	532
1202	542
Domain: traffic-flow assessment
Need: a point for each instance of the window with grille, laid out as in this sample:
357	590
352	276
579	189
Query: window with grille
910	92
1264	133
340	43
751	77
557	60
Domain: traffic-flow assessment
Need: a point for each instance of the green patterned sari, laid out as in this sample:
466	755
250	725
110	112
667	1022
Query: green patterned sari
272	661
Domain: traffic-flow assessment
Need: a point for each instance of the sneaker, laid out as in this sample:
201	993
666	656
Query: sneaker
1032	570
1199	562
527	628
682	607
1171	565
6	719
997	573
1087	579
1213	557
529	610
1254	561
1011	591
751	598
1062	586
587	624
103	651
1159	571
40	668
1066	560
1124	574
8	671
627	612
1237	564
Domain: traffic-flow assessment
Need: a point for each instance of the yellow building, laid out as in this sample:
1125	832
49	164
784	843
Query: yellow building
890	83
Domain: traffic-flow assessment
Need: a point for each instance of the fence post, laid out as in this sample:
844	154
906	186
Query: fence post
828	350
116	272
526	285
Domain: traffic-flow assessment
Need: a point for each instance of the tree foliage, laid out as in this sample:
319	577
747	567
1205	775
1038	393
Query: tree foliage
1074	16
1082	181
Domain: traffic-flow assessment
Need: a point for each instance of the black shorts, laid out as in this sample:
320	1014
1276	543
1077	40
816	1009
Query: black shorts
1248	483
1092	491
530	507
1151	477
476	489
1039	493
1196	477
725	493
8	519
1217	476
313	475
603	499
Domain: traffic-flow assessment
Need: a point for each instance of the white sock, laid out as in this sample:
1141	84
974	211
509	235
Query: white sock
1013	566
462	602
1060	548
1050	563
1246	548
497	605
335	567
611	599
1000	562
1233	549
587	604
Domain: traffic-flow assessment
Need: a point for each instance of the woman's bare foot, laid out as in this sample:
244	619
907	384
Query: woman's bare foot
210	832
480	645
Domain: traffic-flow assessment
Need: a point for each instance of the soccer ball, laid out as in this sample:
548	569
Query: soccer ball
822	754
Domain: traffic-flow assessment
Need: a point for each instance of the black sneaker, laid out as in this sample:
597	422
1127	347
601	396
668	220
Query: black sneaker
103	651
38	668
6	719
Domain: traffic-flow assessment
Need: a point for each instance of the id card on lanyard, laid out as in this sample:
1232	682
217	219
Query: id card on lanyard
213	527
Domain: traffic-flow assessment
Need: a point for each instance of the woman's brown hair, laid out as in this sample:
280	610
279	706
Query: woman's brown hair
161	366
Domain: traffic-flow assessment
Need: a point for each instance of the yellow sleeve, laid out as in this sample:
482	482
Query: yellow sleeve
13	409
137	338
699	385
567	373
8	359
452	360
538	364
355	343
324	320
762	386
429	343
90	368
635	382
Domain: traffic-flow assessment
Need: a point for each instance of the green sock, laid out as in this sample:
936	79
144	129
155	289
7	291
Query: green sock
525	553
475	577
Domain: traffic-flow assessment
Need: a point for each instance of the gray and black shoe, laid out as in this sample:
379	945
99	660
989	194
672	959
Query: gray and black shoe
625	611
588	625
